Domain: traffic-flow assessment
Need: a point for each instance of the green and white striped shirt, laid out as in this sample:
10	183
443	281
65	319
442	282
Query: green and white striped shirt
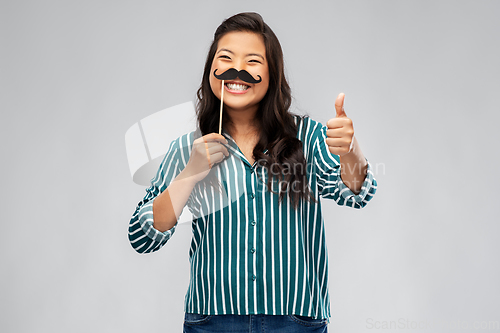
249	253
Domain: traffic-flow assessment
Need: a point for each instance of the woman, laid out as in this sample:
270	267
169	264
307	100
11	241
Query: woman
258	253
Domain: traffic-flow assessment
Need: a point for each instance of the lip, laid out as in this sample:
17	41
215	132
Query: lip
236	92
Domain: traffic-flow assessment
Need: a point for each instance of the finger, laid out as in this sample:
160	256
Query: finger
208	155
340	132
334	123
215	137
217	157
338	142
212	137
214	148
338	150
211	144
339	105
214	144
334	133
210	147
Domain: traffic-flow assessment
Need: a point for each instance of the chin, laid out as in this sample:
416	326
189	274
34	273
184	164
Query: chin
238	108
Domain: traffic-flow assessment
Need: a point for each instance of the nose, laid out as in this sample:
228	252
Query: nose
240	64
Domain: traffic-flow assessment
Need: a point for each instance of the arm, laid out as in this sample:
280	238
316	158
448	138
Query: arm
343	173
156	216
353	166
168	206
143	236
328	171
342	142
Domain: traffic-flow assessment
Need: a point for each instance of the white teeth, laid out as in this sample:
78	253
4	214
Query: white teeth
234	86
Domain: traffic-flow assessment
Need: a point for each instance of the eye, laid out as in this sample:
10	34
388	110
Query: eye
224	56
254	60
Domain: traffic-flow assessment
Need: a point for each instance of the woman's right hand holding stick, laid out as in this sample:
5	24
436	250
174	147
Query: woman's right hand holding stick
207	151
167	207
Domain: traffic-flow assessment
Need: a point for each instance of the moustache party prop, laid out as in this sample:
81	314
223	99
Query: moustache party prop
221	103
233	73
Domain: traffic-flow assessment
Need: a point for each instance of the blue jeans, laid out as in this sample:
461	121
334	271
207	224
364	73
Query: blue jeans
196	323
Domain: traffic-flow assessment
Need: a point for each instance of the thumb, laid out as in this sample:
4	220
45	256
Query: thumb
339	105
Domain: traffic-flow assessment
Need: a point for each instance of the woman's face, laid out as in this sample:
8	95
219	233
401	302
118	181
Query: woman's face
241	50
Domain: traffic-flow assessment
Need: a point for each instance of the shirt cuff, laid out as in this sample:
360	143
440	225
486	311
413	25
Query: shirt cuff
366	188
146	221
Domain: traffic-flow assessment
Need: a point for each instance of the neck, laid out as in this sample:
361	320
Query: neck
241	122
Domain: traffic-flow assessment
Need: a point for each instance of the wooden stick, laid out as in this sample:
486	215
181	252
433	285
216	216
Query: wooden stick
221	103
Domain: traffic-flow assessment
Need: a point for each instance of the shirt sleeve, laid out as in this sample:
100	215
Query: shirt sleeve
143	237
330	184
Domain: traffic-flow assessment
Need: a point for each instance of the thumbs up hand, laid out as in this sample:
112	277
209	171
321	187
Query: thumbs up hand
340	133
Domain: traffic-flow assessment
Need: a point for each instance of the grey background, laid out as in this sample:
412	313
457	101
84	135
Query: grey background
421	80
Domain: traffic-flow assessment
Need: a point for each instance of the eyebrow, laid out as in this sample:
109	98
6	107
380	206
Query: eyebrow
248	55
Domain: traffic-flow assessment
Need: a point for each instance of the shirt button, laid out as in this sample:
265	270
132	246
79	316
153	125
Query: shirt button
253	222
254	277
251	170
252	250
252	196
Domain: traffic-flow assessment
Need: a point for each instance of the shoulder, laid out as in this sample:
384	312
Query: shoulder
185	141
308	129
311	133
182	145
182	142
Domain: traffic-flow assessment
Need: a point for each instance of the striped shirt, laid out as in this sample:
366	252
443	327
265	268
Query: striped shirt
249	253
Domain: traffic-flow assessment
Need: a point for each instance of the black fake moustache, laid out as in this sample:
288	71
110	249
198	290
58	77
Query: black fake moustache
233	73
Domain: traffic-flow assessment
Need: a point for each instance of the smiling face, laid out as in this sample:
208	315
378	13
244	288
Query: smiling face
241	50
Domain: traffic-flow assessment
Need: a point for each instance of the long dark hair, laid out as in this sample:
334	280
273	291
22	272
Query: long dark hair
275	122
